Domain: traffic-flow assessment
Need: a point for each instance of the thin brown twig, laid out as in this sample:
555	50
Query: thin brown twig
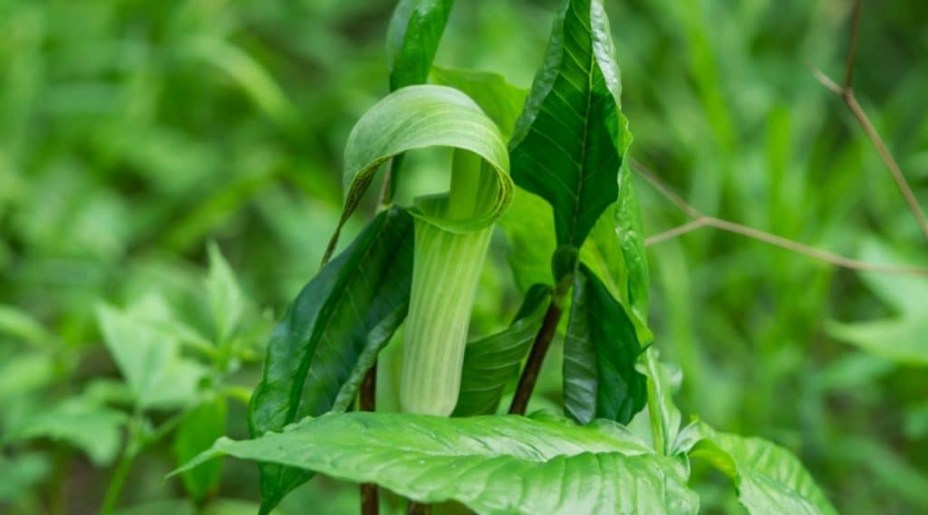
536	358
846	93
701	220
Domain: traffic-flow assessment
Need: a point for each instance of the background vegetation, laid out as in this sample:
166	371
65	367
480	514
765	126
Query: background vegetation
133	133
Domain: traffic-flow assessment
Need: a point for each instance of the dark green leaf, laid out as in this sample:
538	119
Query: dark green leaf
330	335
491	363
631	239
491	464
600	352
570	141
412	39
199	429
769	478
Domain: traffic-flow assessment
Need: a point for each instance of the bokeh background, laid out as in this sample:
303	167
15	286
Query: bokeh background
133	132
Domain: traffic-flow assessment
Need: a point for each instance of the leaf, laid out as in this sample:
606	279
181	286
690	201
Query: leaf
196	433
412	39
499	99
79	421
330	336
225	296
571	138
421	117
529	228
769	479
150	361
664	416
21	474
631	238
491	464
600	352
491	363
902	337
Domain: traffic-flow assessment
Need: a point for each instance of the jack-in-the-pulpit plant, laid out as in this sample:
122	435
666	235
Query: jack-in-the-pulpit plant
419	265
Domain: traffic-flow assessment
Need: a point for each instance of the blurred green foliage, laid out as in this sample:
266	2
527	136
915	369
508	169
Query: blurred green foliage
134	132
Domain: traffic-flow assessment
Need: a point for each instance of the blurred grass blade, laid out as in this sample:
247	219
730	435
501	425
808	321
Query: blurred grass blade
571	138
330	336
492	464
412	39
769	479
600	352
418	117
491	363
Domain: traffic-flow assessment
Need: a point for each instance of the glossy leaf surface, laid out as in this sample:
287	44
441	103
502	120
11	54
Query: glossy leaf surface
600	352
571	138
412	39
491	363
769	479
330	335
491	464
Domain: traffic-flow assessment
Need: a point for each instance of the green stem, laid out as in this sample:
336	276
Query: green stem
123	466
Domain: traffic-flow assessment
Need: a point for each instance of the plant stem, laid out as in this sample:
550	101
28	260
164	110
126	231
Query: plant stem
535	358
367	401
117	481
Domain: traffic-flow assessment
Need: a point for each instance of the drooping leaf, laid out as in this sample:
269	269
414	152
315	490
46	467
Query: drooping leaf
570	141
769	479
900	337
330	336
664	416
499	99
412	39
80	421
158	375
491	363
491	464
429	116
600	352
200	428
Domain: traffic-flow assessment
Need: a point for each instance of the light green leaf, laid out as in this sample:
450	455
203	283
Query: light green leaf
21	473
491	363
529	227
664	416
769	479
428	116
491	464
499	99
225	297
151	363
81	422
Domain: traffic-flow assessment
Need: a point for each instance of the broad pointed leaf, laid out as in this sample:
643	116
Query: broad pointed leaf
600	352
330	336
769	479
491	464
158	375
571	138
412	39
491	363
